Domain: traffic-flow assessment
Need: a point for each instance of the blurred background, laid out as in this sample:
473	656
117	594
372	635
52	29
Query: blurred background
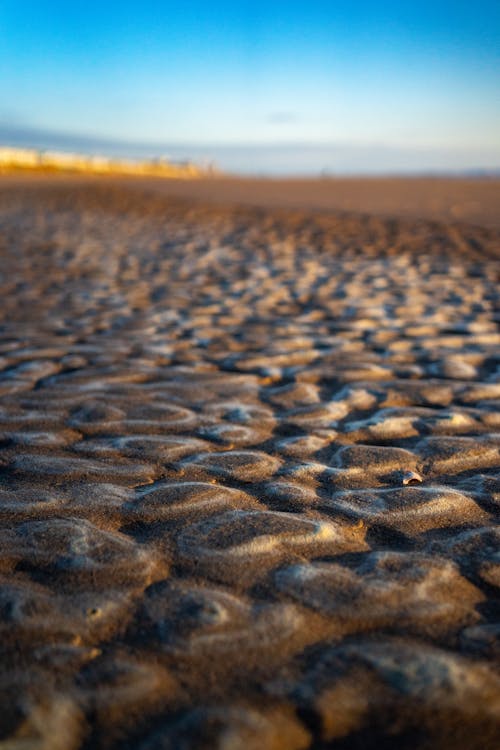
268	88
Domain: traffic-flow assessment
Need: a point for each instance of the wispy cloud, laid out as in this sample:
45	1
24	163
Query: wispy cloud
282	118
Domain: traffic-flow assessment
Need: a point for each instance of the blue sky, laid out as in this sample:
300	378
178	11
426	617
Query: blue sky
419	78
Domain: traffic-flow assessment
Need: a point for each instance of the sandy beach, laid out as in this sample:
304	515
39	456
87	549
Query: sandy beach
249	484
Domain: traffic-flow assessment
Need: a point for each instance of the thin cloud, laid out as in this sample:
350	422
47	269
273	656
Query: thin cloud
282	118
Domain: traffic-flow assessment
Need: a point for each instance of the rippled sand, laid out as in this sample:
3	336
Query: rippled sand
249	476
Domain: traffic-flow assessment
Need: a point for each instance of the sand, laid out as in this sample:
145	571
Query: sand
249	471
443	199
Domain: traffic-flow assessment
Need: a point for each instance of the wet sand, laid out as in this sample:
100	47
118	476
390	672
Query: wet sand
249	472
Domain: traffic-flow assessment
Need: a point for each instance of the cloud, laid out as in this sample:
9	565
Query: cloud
282	118
14	133
11	118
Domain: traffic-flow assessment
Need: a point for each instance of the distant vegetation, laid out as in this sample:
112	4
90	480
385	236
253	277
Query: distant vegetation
14	160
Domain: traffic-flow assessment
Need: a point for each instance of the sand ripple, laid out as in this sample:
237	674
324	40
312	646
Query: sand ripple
249	477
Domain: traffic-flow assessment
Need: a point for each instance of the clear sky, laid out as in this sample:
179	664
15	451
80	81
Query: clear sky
416	77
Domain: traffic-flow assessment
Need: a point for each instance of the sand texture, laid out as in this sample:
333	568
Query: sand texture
249	476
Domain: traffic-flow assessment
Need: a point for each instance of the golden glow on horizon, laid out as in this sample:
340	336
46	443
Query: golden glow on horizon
19	159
